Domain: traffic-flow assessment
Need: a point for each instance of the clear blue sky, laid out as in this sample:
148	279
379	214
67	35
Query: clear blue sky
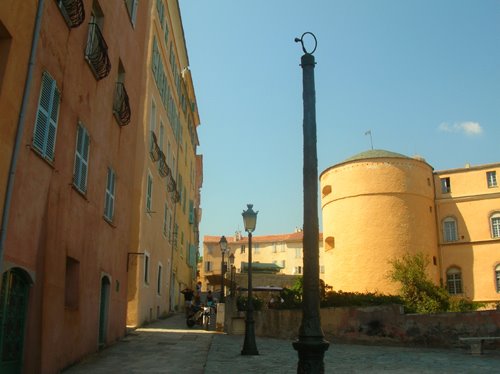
422	75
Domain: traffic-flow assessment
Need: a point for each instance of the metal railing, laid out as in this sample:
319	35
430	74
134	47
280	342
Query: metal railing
96	52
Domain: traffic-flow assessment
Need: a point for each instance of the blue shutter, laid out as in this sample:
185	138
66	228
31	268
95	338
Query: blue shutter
109	203
44	134
81	159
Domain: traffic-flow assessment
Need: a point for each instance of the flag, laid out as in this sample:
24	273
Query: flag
369	132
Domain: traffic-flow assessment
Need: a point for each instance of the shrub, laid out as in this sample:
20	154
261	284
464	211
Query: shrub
242	301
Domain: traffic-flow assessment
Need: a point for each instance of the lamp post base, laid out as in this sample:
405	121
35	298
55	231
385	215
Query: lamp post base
311	353
249	345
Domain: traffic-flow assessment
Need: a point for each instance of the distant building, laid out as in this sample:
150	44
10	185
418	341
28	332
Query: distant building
283	250
166	194
379	205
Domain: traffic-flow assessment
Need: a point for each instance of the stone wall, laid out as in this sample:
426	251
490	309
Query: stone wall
382	325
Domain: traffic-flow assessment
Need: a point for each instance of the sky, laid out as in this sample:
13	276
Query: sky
423	76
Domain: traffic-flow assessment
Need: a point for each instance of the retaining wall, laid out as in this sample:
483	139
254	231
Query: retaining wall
381	325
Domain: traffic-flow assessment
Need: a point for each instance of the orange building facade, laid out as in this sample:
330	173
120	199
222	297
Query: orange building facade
64	276
378	206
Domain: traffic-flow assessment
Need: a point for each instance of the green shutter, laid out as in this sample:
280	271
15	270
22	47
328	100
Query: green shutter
44	134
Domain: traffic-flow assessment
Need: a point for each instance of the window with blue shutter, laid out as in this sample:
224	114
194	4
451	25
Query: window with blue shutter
109	199
81	159
191	211
44	134
149	193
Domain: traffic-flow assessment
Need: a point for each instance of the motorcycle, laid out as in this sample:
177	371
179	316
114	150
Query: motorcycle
200	315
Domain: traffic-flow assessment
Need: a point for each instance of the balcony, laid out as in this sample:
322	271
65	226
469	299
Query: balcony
96	52
163	168
154	150
171	185
121	106
72	11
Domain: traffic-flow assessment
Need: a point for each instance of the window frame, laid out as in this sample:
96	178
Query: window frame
454	282
497	278
491	179
445	185
495	225
446	232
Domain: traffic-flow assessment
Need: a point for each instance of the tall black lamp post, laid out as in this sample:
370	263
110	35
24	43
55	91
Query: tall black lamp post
311	345
249	345
231	269
223	249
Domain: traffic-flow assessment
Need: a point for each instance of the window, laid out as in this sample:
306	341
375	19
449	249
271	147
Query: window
283	263
495	225
5	43
109	199
454	281
322	269
72	283
242	249
450	229
208	266
497	277
274	248
158	281
282	247
44	134
256	248
132	10
165	220
146	267
297	270
491	177
329	243
149	193
298	252
81	159
445	185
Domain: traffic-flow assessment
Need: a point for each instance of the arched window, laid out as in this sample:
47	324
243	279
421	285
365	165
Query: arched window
450	229
497	277
454	281
495	225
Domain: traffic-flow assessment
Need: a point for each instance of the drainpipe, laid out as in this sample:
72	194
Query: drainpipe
19	131
172	278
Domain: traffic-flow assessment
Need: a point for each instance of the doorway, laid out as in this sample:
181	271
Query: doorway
13	307
103	311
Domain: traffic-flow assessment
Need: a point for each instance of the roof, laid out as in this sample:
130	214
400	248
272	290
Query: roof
375	153
292	237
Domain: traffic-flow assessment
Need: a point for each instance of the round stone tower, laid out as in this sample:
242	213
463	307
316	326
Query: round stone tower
376	206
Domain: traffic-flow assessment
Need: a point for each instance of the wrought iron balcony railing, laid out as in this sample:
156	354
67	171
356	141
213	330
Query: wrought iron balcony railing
72	11
154	150
163	168
121	106
96	52
171	185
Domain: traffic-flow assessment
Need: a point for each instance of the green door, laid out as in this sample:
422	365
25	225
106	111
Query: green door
103	311
13	306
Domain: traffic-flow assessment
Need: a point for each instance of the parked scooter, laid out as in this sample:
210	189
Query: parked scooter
198	315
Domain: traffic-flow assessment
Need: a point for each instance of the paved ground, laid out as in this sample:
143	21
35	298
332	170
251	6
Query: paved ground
168	346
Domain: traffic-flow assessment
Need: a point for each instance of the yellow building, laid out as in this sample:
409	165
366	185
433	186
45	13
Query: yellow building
283	250
468	217
163	255
379	205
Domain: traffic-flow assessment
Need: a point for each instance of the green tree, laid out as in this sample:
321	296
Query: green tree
417	291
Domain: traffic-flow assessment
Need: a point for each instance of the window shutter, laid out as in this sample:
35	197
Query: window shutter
109	205
81	158
44	135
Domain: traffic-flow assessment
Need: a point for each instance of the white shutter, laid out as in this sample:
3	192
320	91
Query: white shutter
109	204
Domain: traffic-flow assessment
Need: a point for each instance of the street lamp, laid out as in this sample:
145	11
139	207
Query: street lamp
223	249
311	345
231	264
249	345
